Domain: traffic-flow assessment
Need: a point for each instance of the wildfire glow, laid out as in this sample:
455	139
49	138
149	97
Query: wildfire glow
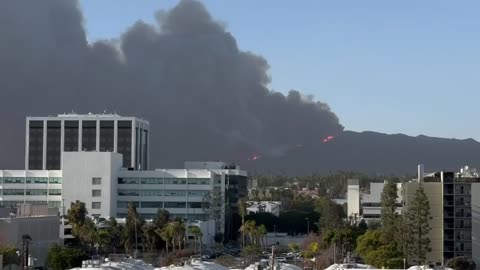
329	138
254	157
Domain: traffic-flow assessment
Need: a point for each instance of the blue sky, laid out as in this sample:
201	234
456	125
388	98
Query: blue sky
397	67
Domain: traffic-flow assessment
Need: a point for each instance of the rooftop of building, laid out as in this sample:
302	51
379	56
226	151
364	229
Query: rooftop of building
74	115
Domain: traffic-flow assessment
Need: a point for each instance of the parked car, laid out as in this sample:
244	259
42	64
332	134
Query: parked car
281	259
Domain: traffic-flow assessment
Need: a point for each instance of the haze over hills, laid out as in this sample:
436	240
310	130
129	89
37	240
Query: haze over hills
205	98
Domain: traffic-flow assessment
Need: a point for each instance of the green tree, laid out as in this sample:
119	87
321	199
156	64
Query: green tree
150	235
116	233
461	263
251	253
104	238
10	255
375	252
418	226
161	219
167	234
60	258
77	213
133	227
242	211
262	233
390	219
331	214
87	233
197	233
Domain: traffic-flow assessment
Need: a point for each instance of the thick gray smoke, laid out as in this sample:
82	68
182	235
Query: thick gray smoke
203	96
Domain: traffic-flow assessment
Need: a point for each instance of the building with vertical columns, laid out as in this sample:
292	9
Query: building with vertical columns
48	137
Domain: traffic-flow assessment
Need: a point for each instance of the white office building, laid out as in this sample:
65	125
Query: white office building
102	160
367	205
35	187
48	137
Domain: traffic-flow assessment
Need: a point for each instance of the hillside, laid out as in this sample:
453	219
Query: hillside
373	152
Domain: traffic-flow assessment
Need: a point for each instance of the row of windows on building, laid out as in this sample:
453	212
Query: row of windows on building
32	192
190	217
166	181
13	204
30	180
166	193
142	204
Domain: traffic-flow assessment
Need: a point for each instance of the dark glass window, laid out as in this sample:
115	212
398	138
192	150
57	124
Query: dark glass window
152	204
145	151
124	142
89	135
106	136
53	145
175	204
35	145
137	148
194	205
70	143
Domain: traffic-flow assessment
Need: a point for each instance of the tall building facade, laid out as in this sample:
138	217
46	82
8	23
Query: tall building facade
455	208
48	137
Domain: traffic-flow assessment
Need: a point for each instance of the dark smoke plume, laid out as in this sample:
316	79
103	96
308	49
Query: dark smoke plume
204	97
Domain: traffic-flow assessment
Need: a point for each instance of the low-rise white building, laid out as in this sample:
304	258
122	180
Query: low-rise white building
208	191
35	187
273	207
367	205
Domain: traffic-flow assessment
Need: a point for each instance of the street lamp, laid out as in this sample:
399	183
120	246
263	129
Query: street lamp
308	226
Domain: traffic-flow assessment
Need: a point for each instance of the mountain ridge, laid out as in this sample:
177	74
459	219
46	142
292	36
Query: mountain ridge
374	153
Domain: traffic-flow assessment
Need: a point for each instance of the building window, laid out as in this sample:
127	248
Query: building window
127	192
151	192
152	181
96	205
152	204
128	181
13	180
175	204
96	193
122	204
199	181
175	181
55	180
96	181
89	135
175	193
55	192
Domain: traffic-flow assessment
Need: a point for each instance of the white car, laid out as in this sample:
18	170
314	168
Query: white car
281	259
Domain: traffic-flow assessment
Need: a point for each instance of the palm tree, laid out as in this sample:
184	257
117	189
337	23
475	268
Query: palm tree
262	232
180	230
250	227
115	233
166	234
150	235
242	210
197	235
